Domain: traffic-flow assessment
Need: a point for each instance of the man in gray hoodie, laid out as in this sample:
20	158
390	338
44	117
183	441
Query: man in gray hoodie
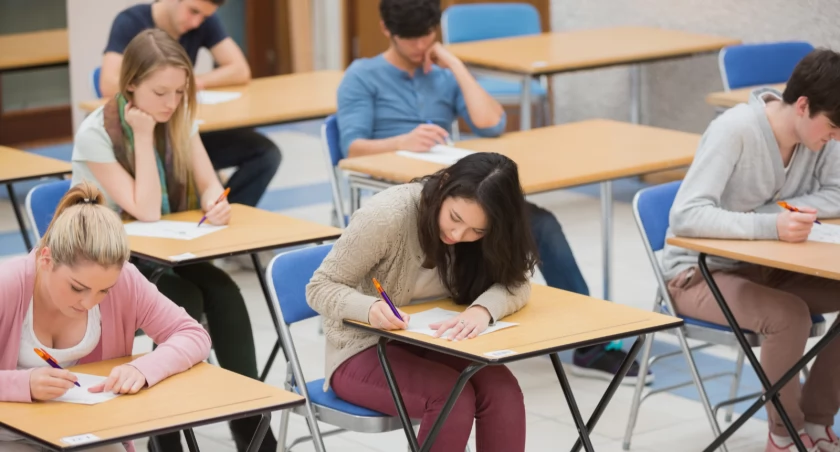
778	147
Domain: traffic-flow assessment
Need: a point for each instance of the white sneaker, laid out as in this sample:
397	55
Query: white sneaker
791	447
829	442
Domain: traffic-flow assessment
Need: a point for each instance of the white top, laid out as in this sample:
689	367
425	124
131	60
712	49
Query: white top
790	162
428	286
66	357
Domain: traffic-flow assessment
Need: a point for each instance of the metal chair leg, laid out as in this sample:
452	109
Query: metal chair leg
736	382
283	431
644	364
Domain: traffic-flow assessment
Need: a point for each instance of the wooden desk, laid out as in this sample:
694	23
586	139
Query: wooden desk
268	100
552	321
200	396
250	231
17	166
551	158
728	99
35	49
552	53
811	258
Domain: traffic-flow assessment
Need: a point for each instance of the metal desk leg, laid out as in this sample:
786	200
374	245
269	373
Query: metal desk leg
636	94
606	235
192	444
403	414
525	104
614	383
19	217
759	371
583	432
259	435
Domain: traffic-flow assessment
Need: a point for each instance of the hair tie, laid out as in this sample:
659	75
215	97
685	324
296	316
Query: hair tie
87	200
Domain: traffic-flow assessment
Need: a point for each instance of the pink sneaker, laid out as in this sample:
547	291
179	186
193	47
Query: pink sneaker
806	440
831	444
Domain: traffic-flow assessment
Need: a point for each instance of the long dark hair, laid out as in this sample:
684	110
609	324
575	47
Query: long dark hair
506	254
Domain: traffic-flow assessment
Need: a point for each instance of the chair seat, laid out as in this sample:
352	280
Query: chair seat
330	400
497	87
815	319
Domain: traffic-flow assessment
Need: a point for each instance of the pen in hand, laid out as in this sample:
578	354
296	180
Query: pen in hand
789	207
448	141
387	299
223	196
51	361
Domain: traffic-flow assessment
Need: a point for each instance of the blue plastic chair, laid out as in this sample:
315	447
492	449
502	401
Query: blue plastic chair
330	145
288	274
651	208
748	65
41	203
94	82
480	21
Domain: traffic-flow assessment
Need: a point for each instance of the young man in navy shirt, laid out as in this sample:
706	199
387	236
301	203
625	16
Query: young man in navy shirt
194	24
407	98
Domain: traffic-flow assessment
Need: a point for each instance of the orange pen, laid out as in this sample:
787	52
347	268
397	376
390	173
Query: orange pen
787	206
50	360
223	196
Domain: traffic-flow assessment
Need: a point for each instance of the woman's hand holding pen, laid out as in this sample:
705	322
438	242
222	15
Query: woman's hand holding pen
46	383
381	316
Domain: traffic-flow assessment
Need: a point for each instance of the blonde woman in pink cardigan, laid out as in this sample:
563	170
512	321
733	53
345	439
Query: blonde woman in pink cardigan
77	297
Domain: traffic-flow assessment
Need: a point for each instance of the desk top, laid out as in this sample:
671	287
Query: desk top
178	402
810	258
267	100
729	99
551	53
559	156
34	49
250	230
553	320
18	165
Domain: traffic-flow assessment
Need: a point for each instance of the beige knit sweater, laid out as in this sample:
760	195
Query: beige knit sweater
381	241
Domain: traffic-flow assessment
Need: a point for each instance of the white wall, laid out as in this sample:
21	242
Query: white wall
88	25
674	91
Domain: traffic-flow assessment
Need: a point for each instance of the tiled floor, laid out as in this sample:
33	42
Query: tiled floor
668	422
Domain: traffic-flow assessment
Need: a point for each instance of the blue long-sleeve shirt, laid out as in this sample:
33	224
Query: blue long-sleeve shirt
377	100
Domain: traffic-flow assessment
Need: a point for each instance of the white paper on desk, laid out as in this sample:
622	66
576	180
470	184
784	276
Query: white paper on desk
419	322
828	233
82	396
165	229
217	97
445	155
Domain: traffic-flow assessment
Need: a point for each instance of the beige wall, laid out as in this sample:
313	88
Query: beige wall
88	25
673	91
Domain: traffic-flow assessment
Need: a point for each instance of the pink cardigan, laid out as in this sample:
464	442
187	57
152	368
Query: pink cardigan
133	303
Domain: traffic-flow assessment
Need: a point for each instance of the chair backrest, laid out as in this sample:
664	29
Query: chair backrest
474	22
94	82
41	203
288	275
331	146
760	64
652	208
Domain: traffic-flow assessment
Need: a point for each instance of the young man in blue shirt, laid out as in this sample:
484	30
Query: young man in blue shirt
407	98
194	24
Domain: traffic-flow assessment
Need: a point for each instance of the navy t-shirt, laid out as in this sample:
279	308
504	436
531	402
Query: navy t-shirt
137	18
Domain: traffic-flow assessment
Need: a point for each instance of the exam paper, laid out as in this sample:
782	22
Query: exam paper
828	233
445	155
216	97
165	229
82	396
419	322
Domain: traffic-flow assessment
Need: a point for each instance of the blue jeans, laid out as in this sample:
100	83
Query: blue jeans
557	263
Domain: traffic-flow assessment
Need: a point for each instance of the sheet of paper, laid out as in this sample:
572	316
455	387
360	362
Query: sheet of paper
445	155
419	322
216	97
828	233
82	396
165	229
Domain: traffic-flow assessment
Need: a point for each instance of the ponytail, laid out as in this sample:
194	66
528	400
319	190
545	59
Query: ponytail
84	230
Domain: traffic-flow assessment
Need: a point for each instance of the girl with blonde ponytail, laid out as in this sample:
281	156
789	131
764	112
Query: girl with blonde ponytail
142	149
77	297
